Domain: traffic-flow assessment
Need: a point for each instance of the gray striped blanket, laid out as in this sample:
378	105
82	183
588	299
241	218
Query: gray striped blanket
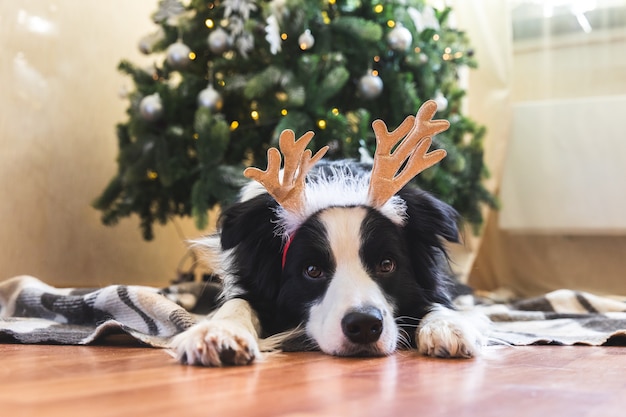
34	312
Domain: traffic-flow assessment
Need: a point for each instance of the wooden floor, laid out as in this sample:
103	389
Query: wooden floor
49	381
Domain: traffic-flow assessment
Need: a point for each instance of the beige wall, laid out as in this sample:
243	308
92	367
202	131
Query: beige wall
58	109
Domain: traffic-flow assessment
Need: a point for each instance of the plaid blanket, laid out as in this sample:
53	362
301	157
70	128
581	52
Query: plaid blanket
34	312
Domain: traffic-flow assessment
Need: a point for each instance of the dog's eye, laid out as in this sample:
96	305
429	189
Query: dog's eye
386	266
313	272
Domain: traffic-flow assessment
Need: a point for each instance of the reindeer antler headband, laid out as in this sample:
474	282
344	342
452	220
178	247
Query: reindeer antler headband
400	156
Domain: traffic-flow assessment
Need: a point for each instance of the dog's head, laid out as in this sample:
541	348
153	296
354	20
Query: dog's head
355	268
350	273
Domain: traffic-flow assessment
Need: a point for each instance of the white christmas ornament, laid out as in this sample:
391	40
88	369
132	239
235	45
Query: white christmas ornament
177	55
272	34
400	38
151	107
218	41
241	7
245	44
279	8
306	40
169	11
423	20
430	19
370	86
442	102
210	98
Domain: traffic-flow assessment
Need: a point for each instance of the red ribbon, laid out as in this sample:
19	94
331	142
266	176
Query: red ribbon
286	248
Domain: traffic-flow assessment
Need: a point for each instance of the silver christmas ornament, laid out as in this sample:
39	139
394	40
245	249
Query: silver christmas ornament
400	38
147	43
177	55
210	98
370	86
151	107
145	46
306	40
219	41
442	102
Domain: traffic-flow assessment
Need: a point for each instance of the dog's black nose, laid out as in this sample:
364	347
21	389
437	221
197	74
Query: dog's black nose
363	325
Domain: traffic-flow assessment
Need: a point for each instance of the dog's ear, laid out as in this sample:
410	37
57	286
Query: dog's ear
248	229
429	222
251	220
430	217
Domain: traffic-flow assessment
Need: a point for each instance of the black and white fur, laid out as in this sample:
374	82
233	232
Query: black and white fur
357	281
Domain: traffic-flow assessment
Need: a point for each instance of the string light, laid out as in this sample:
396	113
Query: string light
283	36
335	111
332	1
375	73
321	124
283	112
152	175
325	17
224	23
376	58
234	125
417	49
458	55
448	50
196	136
435	37
378	8
391	23
209	23
192	55
255	115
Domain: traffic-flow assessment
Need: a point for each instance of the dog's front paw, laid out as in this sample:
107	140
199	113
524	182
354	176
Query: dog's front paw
445	333
216	343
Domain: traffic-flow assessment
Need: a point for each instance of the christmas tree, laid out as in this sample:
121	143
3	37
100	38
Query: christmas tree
230	75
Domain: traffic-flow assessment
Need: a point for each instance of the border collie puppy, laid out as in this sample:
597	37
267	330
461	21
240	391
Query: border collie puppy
351	260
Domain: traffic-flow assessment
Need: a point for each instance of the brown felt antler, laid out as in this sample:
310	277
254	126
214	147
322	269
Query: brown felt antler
415	137
289	192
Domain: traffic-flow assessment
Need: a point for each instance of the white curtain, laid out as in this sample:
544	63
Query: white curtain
562	172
